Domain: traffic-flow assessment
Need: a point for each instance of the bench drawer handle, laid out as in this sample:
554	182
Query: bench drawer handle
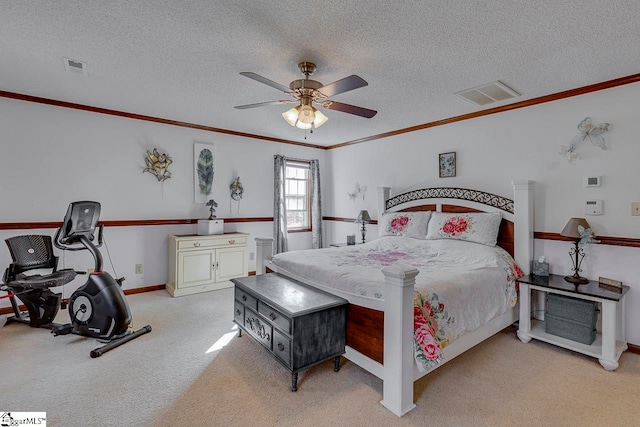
244	297
272	316
238	312
280	346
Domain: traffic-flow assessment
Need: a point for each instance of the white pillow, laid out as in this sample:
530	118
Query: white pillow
407	224
479	227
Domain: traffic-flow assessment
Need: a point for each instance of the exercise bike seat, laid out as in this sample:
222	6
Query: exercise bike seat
33	252
38	281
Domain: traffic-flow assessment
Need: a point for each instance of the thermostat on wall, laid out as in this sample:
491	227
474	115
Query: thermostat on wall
592	181
593	207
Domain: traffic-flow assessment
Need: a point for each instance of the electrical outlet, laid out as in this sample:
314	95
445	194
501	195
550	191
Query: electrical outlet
138	268
635	208
252	256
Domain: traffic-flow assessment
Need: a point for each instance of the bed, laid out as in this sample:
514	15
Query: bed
383	316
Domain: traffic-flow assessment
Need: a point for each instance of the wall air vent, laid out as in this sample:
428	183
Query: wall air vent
487	94
76	67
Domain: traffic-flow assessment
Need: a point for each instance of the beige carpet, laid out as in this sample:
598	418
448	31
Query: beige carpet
501	382
172	377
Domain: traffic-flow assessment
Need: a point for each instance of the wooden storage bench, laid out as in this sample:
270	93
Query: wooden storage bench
299	325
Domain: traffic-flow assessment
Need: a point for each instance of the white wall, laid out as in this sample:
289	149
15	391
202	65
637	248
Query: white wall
522	144
51	156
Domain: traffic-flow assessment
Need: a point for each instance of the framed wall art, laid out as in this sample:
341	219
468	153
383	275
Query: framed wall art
203	169
447	162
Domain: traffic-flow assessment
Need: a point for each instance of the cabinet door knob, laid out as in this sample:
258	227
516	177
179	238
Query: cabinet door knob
244	297
272	316
231	242
280	346
238	312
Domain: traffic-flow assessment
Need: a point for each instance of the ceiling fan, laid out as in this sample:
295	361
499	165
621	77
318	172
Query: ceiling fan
307	92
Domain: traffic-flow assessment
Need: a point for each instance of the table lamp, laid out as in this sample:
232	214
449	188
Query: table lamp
577	229
363	217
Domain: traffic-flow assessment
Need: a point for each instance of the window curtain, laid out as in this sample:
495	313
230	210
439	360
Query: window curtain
280	243
316	205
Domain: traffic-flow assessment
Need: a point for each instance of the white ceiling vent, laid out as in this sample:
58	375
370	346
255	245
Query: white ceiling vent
76	67
487	94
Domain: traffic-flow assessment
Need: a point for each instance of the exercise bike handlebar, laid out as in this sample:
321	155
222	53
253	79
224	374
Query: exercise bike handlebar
66	245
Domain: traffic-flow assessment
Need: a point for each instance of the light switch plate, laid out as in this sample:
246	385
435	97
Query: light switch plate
593	207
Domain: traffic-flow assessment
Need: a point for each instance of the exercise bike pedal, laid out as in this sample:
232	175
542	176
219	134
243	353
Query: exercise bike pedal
62	329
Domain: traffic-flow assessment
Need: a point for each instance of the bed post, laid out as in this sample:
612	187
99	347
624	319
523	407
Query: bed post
397	384
264	251
523	230
383	196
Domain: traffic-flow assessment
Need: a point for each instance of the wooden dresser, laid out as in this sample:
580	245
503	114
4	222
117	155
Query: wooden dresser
206	263
299	325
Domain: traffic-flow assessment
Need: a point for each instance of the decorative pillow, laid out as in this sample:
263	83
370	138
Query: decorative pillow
407	224
473	227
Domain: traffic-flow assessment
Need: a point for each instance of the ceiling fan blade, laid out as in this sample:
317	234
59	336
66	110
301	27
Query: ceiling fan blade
266	81
351	109
262	104
343	85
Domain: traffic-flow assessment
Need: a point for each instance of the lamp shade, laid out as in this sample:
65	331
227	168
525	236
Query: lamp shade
307	114
291	116
363	216
320	119
571	229
301	125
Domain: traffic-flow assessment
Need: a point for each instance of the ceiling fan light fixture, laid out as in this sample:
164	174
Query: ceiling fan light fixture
296	117
307	92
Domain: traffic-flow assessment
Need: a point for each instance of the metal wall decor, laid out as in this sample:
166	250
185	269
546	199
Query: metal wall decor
236	189
587	131
452	193
357	192
158	165
447	164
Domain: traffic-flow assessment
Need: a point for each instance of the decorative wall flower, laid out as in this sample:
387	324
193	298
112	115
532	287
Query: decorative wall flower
158	164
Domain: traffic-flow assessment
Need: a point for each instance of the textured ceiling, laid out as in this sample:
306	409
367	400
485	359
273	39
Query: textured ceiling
180	60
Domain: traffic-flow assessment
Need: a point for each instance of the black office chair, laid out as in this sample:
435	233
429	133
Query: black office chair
33	252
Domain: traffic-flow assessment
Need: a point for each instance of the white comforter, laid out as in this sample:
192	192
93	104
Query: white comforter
460	287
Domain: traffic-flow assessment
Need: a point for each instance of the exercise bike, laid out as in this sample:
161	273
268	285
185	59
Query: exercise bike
97	309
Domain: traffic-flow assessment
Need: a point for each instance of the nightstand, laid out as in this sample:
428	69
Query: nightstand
608	345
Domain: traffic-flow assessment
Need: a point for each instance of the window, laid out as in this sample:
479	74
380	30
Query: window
297	193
